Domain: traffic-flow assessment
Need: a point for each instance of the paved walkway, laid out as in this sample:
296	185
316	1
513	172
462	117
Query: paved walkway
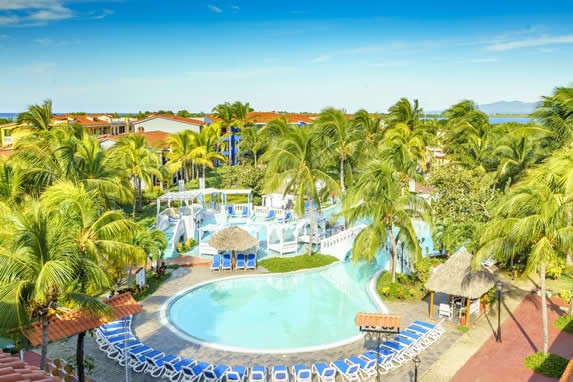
147	327
521	335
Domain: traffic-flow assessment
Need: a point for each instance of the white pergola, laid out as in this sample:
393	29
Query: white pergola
217	196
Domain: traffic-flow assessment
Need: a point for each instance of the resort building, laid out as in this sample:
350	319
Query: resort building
97	124
6	134
168	123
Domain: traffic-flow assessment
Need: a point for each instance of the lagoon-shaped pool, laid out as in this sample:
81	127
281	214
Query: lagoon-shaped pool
302	311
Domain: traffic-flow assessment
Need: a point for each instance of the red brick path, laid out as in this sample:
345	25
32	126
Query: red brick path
521	336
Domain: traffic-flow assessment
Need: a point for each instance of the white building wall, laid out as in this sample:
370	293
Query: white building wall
166	125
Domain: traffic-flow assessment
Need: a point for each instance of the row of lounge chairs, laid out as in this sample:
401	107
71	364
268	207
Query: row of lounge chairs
272	214
224	262
234	214
115	337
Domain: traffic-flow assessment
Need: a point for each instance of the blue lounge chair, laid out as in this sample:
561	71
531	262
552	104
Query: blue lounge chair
324	372
349	372
271	215
301	373
421	344
173	369
216	374
237	374
430	335
117	350
279	374
251	261
193	373
216	263
137	357
367	367
230	211
286	218
399	350
226	265
240	264
411	349
384	357
245	212
155	366
258	374
437	328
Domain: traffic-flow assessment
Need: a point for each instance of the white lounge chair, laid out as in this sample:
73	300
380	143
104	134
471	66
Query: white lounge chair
324	372
349	372
301	373
445	310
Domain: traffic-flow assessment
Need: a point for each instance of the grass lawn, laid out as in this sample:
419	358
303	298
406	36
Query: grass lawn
563	282
550	365
289	264
153	284
406	287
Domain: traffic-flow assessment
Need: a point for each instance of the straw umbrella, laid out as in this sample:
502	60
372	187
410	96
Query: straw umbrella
233	239
457	278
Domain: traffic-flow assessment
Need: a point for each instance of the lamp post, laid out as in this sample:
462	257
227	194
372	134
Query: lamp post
498	287
417	362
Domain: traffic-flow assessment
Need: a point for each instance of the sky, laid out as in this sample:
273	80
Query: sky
130	55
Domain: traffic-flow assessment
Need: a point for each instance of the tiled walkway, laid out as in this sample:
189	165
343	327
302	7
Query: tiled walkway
148	328
521	336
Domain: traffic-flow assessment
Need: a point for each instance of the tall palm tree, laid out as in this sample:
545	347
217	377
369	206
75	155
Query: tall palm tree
252	142
204	154
40	270
295	165
406	149
339	137
516	152
377	196
533	219
224	112
182	145
37	119
369	129
556	114
133	152
153	242
405	112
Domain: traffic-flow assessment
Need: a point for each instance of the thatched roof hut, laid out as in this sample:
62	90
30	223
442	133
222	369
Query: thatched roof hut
233	239
456	277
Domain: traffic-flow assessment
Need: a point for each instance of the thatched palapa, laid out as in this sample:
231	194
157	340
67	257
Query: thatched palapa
456	277
233	239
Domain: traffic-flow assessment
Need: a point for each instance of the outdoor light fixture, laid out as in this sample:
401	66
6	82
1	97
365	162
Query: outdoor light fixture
498	287
417	362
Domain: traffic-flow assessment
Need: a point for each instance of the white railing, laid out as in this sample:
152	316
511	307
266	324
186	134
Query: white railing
261	210
178	231
341	237
206	249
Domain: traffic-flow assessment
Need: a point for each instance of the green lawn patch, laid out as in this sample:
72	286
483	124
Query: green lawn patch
153	284
564	323
406	287
550	365
289	264
462	328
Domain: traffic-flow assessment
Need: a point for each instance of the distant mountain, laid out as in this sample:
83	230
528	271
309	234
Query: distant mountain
508	107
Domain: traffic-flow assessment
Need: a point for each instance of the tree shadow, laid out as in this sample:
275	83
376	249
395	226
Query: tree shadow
521	329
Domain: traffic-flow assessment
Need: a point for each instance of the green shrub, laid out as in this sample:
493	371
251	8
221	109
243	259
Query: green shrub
406	287
189	244
463	328
550	365
564	323
566	295
555	269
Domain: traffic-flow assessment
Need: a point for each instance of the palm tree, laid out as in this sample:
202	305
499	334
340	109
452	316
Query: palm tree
295	165
405	112
224	112
153	242
182	145
204	153
405	149
533	219
252	142
339	137
37	119
139	161
556	114
369	129
378	197
40	271
516	153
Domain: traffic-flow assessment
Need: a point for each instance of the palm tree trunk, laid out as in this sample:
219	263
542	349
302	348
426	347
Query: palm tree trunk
544	307
45	338
204	171
134	197
255	157
186	171
80	356
394	257
342	187
139	194
311	230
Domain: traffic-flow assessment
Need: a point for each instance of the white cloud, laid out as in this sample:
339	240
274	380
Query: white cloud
8	20
14	5
530	42
214	8
54	43
51	14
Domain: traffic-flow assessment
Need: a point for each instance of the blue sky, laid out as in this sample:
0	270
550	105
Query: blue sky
129	55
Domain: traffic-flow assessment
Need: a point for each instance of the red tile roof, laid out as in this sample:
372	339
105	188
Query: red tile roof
78	321
156	139
267	116
12	370
5	152
191	121
378	320
84	119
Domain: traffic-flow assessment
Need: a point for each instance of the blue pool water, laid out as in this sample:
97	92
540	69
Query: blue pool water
277	313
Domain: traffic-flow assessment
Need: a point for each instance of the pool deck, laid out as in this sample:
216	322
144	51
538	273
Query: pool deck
148	328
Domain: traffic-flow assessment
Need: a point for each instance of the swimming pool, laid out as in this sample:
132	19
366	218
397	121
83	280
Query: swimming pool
301	311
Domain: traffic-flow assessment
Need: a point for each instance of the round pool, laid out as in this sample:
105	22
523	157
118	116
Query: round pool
302	311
